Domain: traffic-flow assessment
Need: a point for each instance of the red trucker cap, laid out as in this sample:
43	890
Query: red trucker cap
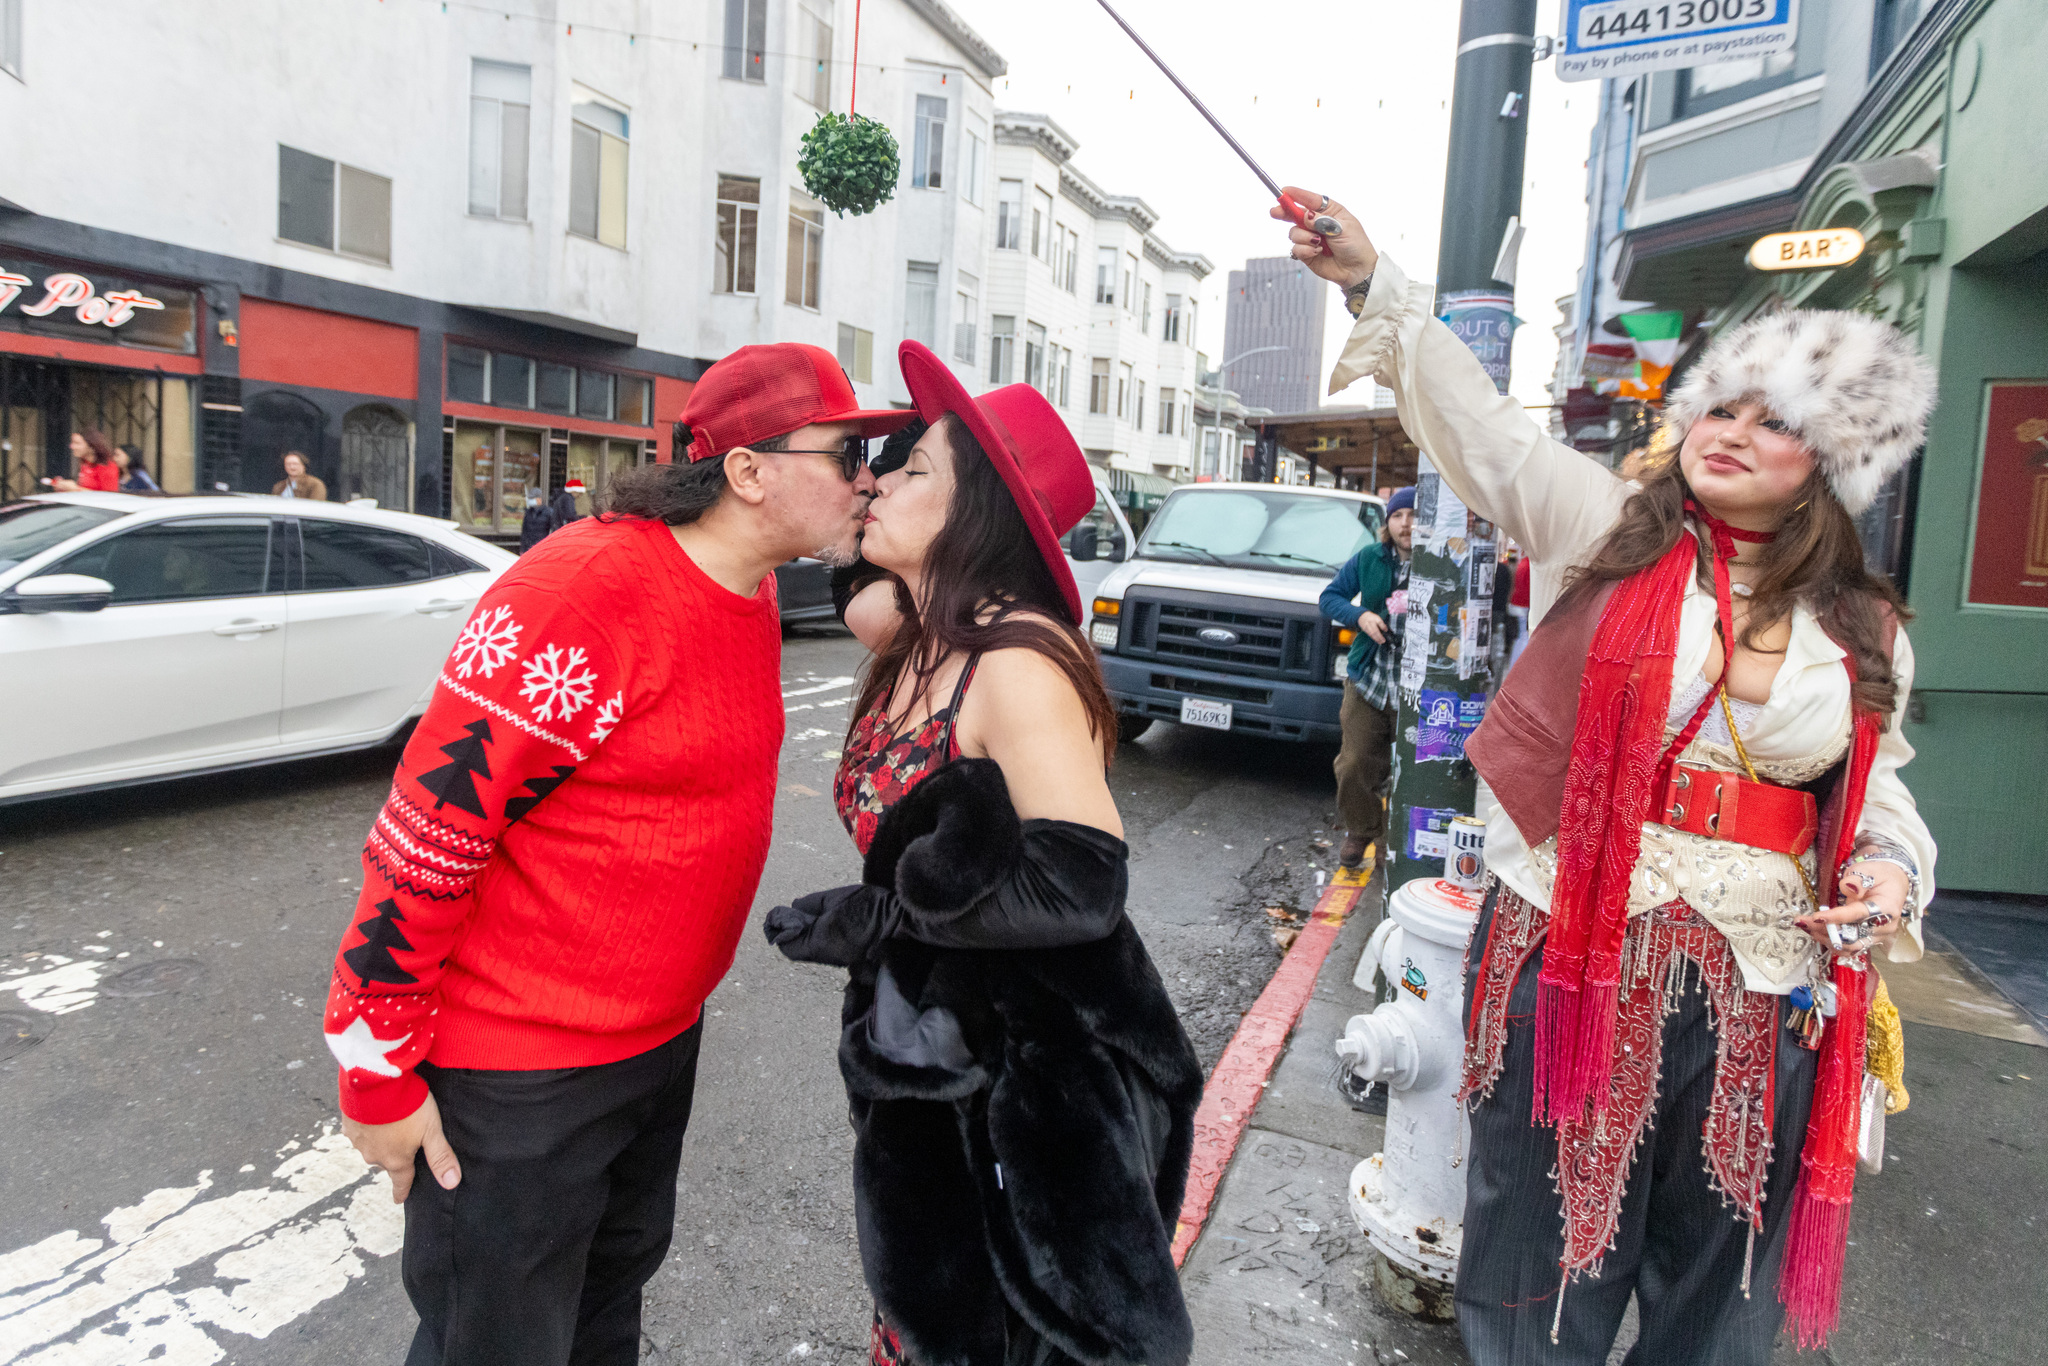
761	392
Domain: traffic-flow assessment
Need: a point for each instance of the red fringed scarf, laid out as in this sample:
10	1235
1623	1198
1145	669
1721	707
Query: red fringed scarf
1619	761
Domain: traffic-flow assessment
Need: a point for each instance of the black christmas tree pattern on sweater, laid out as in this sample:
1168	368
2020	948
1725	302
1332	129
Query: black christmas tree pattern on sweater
505	727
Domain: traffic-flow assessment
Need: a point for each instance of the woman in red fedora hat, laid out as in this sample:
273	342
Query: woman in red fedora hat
1021	1089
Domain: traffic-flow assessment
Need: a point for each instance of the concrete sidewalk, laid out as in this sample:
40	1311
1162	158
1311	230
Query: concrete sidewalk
1948	1256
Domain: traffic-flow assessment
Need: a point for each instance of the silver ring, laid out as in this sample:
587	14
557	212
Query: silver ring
1326	205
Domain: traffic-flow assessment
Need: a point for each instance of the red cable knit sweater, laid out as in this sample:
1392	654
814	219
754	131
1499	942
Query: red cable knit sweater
576	829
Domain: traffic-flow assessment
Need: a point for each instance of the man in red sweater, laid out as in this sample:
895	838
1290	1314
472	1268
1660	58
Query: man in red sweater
563	867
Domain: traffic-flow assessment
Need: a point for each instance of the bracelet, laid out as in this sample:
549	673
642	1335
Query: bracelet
1354	297
1872	848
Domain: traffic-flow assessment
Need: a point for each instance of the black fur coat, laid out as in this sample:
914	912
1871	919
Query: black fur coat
1024	1116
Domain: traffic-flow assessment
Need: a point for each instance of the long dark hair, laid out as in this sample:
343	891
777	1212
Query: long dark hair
677	493
984	555
101	449
1816	557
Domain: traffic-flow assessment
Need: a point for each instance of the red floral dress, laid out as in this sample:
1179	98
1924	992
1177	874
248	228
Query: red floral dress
879	766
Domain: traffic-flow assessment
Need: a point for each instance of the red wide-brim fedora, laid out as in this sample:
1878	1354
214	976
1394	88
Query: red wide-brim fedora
1027	442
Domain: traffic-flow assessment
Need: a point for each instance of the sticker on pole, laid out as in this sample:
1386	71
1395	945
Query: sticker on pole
1626	37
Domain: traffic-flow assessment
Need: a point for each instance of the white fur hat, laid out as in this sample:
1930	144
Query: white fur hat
1852	388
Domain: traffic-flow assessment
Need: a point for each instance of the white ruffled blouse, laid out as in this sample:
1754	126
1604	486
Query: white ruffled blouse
1559	505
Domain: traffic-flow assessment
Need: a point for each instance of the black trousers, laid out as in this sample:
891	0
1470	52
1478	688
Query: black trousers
1677	1246
566	1204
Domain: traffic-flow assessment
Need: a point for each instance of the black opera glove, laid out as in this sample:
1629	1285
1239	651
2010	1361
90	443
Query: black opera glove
1066	886
838	927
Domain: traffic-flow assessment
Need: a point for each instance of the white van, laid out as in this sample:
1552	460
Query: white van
1100	542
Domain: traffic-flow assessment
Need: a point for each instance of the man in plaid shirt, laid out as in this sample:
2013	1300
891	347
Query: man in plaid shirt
1369	595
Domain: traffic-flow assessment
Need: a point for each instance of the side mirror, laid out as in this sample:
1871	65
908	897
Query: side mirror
1084	542
1119	548
60	593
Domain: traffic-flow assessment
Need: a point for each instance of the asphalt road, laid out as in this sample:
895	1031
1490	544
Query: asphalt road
174	1191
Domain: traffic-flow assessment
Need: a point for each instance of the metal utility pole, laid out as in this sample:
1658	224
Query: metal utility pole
1445	680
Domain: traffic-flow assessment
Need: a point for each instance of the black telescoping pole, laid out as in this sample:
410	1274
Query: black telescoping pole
1450	594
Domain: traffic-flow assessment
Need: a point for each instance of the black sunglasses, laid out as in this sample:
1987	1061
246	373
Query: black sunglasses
852	457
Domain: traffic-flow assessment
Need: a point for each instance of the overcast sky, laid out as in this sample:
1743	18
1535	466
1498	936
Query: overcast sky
1350	97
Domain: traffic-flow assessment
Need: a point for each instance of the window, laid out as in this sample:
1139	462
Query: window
746	39
970	171
511	381
322	203
1071	254
966	308
1105	275
1010	214
597	173
814	82
1002	348
1169	326
1138	409
203	557
468	370
739	231
1034	356
1098	385
10	37
921	303
1066	375
500	99
928	154
857	353
343	555
594	392
1145	320
1889	26
1041	224
806	245
1183	417
1130	278
1123	389
554	388
635	400
1166	412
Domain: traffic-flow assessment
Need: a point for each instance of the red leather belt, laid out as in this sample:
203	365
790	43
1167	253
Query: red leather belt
1728	806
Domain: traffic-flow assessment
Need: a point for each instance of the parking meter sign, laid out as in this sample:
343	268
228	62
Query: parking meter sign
1604	38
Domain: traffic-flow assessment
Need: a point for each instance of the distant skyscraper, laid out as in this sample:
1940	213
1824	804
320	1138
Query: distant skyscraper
1276	301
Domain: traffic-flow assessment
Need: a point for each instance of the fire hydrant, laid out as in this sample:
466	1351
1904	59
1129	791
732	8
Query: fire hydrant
1409	1198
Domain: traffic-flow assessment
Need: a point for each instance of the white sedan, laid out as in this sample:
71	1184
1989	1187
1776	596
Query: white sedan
154	637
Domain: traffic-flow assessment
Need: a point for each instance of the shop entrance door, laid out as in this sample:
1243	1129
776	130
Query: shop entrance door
376	457
42	403
596	460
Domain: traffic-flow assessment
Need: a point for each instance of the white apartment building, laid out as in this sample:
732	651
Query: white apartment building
1082	300
456	254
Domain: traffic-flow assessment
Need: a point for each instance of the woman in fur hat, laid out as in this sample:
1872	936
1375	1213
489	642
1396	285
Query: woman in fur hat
1021	1090
1698	835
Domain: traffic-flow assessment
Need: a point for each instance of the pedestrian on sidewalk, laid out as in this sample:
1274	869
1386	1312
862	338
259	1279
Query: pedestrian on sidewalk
1021	1090
134	470
297	483
98	471
1368	595
1698	753
562	870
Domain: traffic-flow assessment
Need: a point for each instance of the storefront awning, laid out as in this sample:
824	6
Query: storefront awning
1137	491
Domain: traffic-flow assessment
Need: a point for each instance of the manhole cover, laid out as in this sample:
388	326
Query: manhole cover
154	979
21	1030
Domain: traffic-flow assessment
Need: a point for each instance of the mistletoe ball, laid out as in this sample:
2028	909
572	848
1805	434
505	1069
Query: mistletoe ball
849	162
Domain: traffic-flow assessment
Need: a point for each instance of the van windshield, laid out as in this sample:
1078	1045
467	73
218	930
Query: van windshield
1297	533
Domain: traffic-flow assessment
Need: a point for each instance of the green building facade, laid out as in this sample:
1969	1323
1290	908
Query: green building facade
1943	167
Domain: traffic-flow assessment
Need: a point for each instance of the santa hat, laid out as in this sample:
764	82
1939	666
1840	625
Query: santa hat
1852	388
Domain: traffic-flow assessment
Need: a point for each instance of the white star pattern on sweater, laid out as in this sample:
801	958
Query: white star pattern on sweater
357	1047
487	643
553	684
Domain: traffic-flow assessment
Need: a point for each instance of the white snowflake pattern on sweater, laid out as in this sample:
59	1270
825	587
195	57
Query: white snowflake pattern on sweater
554	685
608	713
487	643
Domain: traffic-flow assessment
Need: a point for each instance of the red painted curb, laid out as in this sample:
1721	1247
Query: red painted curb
1232	1092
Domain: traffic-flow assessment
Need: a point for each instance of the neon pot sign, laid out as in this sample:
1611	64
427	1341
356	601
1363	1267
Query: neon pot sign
75	292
